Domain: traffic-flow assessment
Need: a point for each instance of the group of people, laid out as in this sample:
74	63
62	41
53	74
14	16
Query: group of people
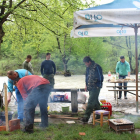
32	89
48	68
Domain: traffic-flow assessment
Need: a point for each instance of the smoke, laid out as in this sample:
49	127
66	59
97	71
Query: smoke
133	118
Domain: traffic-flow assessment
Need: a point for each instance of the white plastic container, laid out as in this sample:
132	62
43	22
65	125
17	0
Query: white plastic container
139	76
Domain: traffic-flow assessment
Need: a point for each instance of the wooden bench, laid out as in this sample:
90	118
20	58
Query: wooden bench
117	90
114	88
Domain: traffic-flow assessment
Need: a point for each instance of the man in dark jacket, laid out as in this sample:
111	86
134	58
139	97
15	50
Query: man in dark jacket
48	69
94	79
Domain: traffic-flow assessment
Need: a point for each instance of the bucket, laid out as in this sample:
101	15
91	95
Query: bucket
102	101
2	115
65	109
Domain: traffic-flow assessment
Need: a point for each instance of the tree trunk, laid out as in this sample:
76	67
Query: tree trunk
1	36
65	67
130	60
65	62
128	44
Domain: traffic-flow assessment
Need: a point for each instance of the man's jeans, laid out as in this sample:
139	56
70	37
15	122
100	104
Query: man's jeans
93	102
120	84
20	104
50	77
38	95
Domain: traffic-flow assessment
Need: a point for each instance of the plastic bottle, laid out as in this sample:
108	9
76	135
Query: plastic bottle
117	76
109	75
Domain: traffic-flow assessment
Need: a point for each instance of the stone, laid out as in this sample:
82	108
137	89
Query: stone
2	128
14	124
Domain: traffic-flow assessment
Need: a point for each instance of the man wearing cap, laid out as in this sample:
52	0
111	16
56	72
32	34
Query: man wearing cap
12	76
34	89
123	69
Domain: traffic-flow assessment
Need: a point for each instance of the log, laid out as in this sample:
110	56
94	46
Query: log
55	116
71	118
58	117
63	117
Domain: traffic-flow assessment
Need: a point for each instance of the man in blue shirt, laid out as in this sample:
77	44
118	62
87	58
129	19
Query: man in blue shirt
48	69
12	76
123	69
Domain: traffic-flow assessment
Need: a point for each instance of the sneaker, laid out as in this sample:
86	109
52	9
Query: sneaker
119	98
125	97
28	129
84	120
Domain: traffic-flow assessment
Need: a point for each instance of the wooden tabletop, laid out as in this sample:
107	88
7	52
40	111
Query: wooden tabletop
122	90
121	86
123	81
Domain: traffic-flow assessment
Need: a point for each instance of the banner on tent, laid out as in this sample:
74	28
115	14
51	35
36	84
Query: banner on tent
88	17
102	32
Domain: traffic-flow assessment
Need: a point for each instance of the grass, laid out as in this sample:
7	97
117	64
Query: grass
70	132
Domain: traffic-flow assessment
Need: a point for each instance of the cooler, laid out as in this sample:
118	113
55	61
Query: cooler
58	98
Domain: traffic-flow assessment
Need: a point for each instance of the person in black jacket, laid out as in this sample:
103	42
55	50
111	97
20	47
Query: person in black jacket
94	79
48	69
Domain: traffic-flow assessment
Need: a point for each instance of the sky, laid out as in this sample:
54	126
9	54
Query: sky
101	1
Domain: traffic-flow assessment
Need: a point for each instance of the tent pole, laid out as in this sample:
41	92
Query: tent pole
136	57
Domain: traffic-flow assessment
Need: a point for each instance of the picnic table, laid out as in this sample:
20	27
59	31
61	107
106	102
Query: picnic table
74	102
117	90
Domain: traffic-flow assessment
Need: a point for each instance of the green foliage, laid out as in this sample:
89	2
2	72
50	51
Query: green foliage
39	27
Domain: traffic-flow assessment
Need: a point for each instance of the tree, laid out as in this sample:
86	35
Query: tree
47	13
38	26
7	7
122	46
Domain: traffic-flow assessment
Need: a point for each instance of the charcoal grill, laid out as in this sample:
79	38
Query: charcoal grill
121	125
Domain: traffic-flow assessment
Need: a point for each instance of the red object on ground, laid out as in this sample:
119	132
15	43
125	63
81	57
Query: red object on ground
107	106
14	125
82	133
2	128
